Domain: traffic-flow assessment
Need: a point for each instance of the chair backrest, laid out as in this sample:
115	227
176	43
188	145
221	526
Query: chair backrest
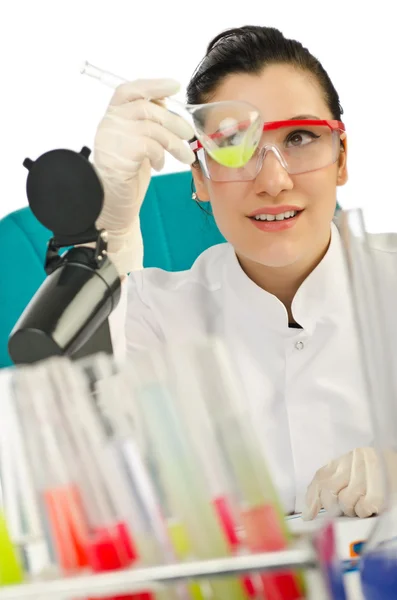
175	232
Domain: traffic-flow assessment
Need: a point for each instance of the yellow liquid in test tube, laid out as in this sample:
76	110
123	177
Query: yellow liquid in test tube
184	487
10	567
180	541
215	542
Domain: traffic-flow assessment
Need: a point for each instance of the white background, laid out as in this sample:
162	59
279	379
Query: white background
45	103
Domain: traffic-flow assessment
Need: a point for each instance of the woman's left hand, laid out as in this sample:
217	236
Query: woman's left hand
352	485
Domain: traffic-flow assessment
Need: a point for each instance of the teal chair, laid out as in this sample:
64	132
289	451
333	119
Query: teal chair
175	231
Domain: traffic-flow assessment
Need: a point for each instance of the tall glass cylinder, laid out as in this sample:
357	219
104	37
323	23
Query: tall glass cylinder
372	263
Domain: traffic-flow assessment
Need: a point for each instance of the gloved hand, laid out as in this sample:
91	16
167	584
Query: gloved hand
351	485
131	139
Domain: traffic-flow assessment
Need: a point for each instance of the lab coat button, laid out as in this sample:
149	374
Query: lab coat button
299	345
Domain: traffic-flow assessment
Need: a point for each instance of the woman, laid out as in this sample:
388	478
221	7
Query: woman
277	293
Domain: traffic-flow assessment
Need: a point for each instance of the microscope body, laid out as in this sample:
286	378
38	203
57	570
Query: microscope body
69	313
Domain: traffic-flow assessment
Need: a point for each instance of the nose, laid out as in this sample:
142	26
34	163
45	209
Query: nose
273	177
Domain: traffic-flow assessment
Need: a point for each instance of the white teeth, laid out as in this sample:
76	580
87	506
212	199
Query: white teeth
280	217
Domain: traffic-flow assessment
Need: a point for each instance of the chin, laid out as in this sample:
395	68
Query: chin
277	263
278	256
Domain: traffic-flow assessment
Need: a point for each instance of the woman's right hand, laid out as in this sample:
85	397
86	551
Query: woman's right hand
131	139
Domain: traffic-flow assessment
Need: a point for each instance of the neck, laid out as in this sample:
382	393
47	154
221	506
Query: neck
284	282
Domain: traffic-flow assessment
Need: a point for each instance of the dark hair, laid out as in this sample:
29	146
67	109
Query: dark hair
249	49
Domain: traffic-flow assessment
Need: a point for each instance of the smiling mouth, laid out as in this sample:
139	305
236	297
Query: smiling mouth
284	216
282	221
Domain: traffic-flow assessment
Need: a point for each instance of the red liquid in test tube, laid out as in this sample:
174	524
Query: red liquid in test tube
111	549
68	526
264	534
226	519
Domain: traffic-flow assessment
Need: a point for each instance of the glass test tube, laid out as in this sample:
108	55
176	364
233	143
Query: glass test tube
109	544
219	409
60	497
373	277
181	479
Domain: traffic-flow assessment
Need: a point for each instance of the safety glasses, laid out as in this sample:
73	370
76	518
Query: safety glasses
233	141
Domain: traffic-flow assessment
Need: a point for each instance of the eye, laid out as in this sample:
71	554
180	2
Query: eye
300	138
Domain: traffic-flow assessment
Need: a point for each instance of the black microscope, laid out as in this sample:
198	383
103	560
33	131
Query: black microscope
68	315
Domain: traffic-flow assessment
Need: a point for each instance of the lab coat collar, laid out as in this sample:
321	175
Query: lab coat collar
319	297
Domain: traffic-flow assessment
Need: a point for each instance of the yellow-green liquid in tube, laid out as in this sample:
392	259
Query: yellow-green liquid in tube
185	487
10	567
180	541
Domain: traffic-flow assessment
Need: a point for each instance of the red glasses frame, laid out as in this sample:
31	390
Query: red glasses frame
272	125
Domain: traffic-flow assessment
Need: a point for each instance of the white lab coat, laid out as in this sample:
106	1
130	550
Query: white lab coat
305	387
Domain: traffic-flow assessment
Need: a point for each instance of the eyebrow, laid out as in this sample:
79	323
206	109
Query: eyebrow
303	117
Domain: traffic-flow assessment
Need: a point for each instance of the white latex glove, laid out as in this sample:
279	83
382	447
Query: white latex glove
131	139
351	485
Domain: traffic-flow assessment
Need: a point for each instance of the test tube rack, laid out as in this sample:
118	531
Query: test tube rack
153	578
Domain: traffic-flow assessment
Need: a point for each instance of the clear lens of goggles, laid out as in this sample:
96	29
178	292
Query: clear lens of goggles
229	131
299	149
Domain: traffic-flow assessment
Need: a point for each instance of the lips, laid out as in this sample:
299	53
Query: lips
280	217
275	210
275	225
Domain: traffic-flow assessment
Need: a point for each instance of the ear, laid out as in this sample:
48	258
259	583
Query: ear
200	183
342	162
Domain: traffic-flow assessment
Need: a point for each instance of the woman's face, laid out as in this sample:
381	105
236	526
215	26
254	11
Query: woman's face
280	92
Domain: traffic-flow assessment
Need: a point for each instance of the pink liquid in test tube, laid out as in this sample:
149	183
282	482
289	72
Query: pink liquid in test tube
264	534
226	519
69	526
111	549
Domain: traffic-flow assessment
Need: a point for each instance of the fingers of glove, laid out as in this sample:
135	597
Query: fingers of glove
144	88
348	499
143	110
366	507
335	476
370	476
136	141
151	149
330	501
313	502
357	501
326	484
363	494
331	486
367	480
168	140
123	198
125	163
